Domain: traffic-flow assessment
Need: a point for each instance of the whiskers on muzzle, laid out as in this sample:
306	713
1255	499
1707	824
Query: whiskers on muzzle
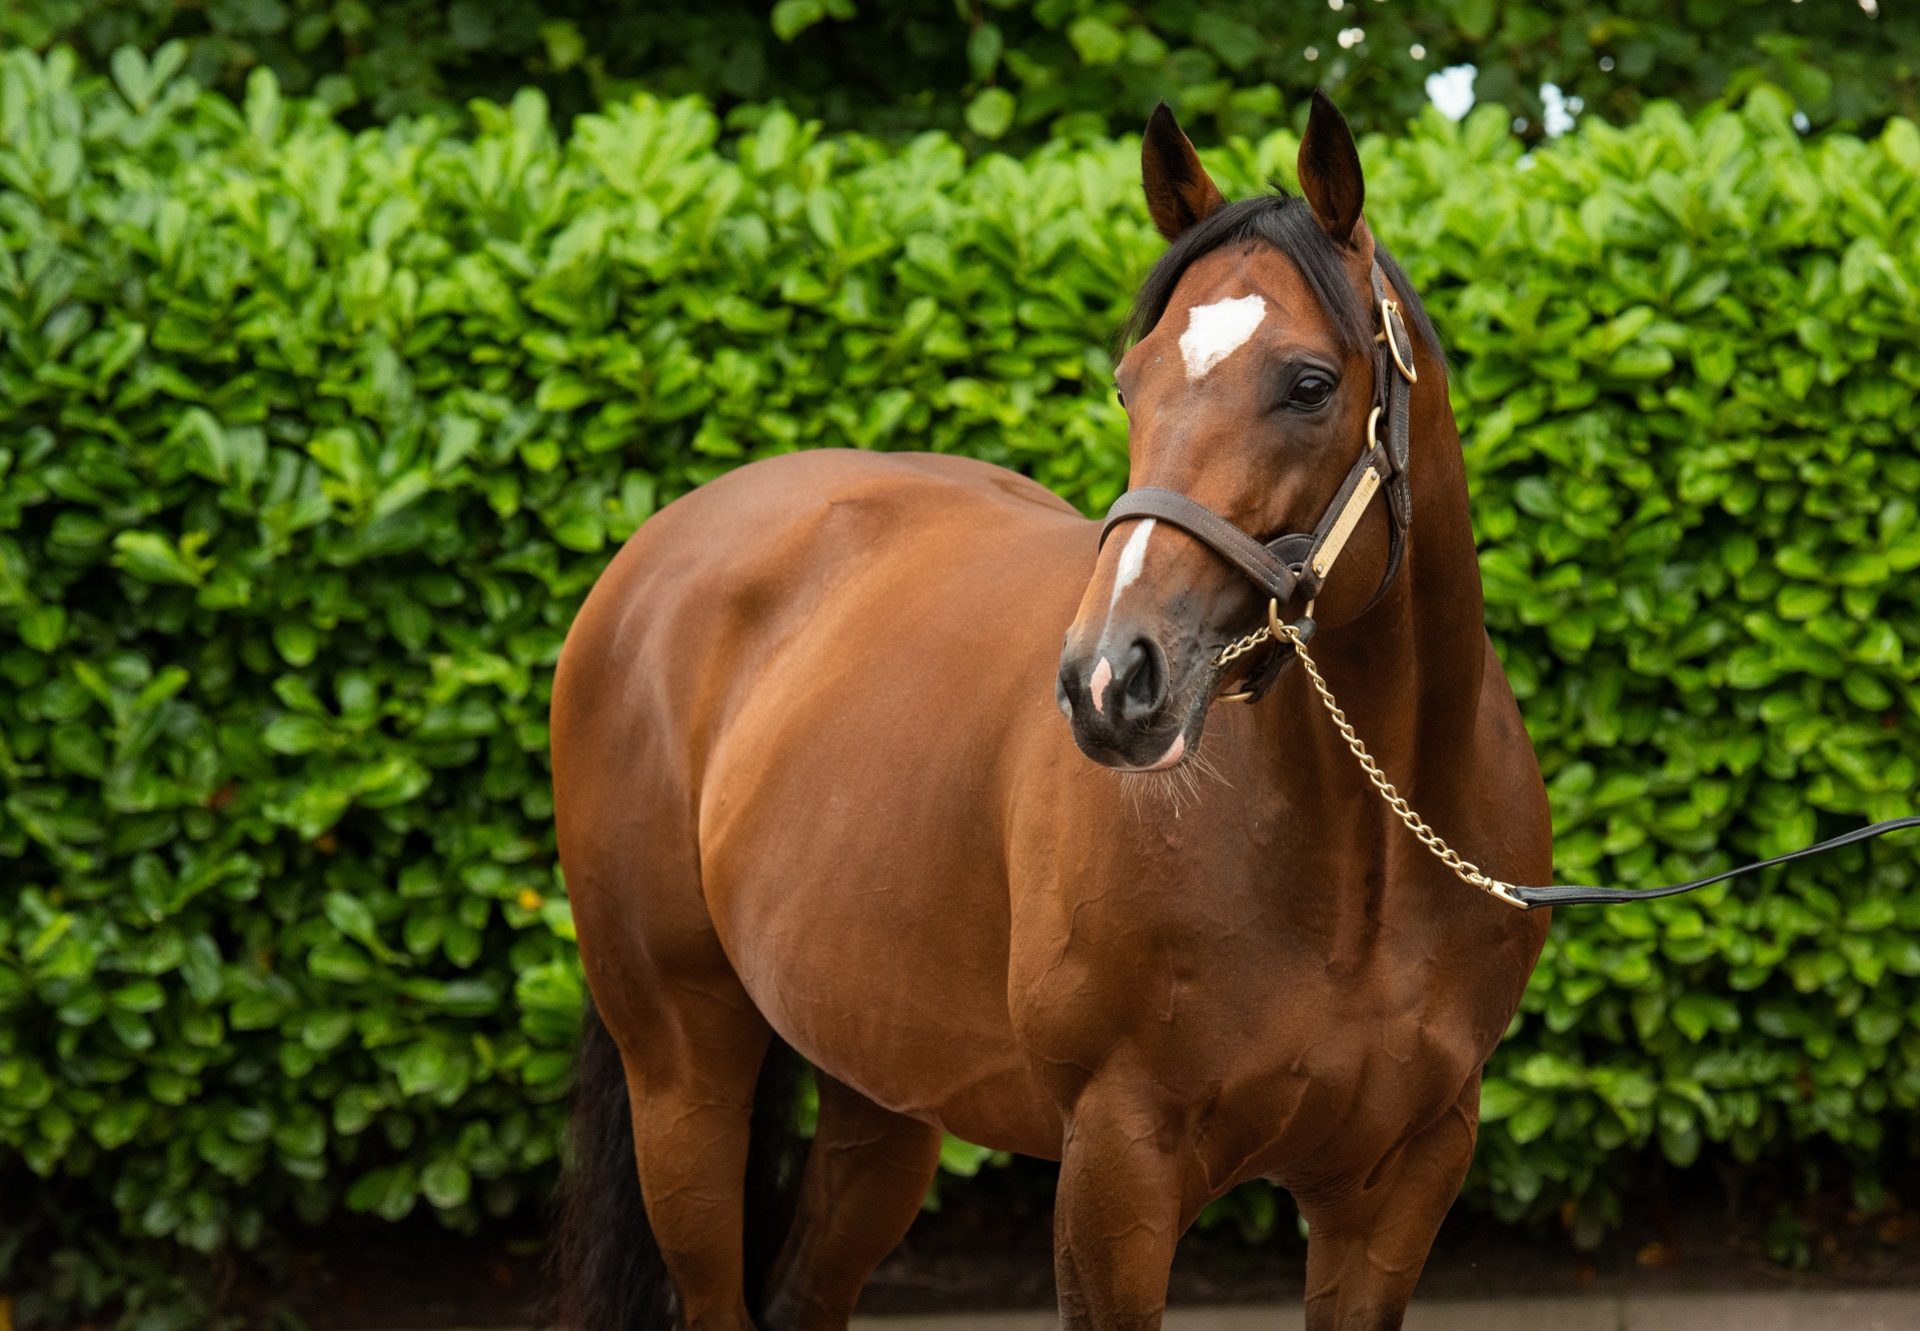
1175	788
1181	786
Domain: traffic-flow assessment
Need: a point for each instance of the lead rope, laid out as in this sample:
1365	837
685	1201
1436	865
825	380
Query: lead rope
1526	898
1465	870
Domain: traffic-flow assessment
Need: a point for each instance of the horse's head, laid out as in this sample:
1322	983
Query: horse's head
1248	389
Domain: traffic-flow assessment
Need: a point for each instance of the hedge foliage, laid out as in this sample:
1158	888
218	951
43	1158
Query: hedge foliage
1024	71
311	441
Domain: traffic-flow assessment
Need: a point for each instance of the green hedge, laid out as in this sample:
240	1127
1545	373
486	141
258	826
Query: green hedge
1022	71
310	443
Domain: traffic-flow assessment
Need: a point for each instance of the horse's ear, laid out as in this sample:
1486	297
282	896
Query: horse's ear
1179	191
1330	170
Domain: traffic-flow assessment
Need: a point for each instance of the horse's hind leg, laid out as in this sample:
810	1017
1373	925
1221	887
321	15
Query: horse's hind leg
866	1176
1366	1244
691	1043
690	1085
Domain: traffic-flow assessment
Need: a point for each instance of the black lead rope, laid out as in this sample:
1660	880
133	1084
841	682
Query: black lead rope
1532	897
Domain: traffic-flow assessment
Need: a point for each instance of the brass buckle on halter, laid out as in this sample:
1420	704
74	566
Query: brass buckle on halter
1279	630
1389	305
1274	632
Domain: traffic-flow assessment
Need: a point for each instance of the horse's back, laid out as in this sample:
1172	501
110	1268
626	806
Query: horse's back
768	541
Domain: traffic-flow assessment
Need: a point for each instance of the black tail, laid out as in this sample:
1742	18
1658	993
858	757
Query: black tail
606	1266
776	1153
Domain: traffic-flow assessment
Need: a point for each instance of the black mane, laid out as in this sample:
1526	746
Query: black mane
1285	222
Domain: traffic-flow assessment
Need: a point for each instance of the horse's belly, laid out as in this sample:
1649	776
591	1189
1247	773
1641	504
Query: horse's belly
871	932
858	883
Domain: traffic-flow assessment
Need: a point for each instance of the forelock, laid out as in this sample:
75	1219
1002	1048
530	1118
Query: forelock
1284	222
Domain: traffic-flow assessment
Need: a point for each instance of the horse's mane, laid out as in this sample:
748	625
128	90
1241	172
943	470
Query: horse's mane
1285	222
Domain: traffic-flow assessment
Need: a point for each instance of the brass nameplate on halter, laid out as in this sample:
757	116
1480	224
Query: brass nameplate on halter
1344	524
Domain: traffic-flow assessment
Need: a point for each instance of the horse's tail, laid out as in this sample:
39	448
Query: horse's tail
776	1153
607	1268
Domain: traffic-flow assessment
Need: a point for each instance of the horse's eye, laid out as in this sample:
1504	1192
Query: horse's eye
1121	398
1310	391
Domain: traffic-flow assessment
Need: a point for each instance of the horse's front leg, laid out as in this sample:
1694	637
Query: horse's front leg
1368	1237
1121	1208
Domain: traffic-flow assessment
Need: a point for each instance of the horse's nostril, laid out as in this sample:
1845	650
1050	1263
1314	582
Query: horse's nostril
1145	687
1069	688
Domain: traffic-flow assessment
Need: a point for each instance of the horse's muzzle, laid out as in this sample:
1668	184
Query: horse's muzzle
1121	705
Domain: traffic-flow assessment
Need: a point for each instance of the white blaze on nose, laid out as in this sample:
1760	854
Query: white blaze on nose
1216	331
1133	557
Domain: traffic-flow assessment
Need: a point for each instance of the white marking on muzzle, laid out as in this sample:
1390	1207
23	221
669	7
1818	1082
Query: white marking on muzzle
1097	686
1216	331
1133	558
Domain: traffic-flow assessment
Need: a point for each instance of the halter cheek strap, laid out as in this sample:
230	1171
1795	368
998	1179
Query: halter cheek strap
1299	563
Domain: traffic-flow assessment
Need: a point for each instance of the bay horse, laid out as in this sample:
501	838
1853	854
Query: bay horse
813	794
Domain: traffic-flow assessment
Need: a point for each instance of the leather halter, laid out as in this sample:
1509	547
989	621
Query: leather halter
1297	563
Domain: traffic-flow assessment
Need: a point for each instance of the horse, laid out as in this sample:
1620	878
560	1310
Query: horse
816	804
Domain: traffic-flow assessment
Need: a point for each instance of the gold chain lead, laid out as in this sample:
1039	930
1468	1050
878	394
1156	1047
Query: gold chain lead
1239	647
1465	870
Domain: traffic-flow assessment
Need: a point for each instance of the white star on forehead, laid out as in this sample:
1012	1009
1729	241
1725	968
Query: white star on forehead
1216	331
